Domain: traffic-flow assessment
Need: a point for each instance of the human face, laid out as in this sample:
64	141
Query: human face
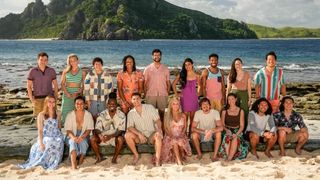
73	61
156	57
129	64
238	65
271	61
288	105
51	103
136	101
79	105
175	105
112	105
232	100
97	66
42	61
263	107
188	66
213	61
205	107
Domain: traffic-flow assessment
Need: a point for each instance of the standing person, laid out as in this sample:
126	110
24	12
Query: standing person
129	81
157	83
206	127
269	82
239	82
175	144
286	121
109	129
79	124
71	84
189	80
144	126
261	127
97	86
42	81
48	150
233	145
213	86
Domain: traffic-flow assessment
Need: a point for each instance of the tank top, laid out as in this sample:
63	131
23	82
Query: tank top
232	121
213	85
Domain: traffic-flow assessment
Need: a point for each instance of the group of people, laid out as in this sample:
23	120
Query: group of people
221	116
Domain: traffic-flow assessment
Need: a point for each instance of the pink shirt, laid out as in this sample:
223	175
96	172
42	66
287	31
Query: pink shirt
156	79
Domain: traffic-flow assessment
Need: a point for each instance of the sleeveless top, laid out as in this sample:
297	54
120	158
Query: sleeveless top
213	87
77	78
232	121
243	83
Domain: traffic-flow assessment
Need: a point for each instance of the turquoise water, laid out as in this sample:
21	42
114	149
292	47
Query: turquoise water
299	57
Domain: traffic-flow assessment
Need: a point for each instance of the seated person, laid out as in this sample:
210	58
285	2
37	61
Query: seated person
109	128
144	126
175	144
286	121
261	127
79	124
206	124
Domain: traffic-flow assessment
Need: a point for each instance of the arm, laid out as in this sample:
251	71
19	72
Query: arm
219	127
252	125
223	88
199	90
86	90
56	88
241	123
229	85
80	91
40	120
204	76
63	84
257	90
168	86
120	92
29	90
195	129
283	90
174	84
249	90
273	128
140	84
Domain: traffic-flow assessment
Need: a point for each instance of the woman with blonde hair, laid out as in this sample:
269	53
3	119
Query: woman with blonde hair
175	145
48	150
71	84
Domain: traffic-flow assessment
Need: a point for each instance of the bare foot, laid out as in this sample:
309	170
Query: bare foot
157	164
282	153
135	160
214	159
268	154
81	159
298	151
199	156
114	161
254	152
99	159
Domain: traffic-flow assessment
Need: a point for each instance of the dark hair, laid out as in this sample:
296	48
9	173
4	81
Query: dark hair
136	94
112	96
271	53
41	54
156	51
203	100
213	55
97	59
124	60
281	107
233	72
255	105
235	96
183	72
79	97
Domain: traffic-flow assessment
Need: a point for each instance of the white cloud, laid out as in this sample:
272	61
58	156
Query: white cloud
276	13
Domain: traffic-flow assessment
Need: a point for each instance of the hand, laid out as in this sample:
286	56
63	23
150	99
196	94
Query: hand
160	133
207	135
234	136
68	95
228	132
106	138
80	139
267	135
42	147
143	139
74	95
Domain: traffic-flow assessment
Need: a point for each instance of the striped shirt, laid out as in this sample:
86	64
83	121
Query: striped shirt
145	123
270	85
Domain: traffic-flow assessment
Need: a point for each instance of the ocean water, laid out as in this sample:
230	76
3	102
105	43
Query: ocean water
300	58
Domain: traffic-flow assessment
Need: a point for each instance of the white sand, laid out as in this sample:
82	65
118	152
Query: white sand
306	166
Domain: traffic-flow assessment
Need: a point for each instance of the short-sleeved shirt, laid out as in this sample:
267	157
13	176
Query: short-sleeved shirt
270	84
108	125
294	120
206	121
156	79
145	123
130	83
42	81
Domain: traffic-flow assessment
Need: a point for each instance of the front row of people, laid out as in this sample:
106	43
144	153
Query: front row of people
144	126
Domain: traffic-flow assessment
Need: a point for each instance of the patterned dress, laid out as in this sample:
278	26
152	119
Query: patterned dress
178	137
53	142
67	104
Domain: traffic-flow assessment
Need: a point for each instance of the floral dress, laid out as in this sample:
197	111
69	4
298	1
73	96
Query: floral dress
53	142
178	137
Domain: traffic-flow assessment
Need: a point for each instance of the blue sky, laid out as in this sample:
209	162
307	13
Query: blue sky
275	13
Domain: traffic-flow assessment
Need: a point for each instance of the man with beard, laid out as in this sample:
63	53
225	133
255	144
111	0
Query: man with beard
213	83
109	129
157	83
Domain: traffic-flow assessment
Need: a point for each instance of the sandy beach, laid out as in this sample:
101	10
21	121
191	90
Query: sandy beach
305	166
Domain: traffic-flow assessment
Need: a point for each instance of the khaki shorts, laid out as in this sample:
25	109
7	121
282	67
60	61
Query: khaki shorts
38	106
292	137
159	102
216	104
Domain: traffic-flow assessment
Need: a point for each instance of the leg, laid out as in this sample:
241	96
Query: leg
119	144
270	144
217	142
196	141
191	121
73	156
232	148
83	147
131	140
157	141
282	136
94	142
302	139
161	114
254	140
176	152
